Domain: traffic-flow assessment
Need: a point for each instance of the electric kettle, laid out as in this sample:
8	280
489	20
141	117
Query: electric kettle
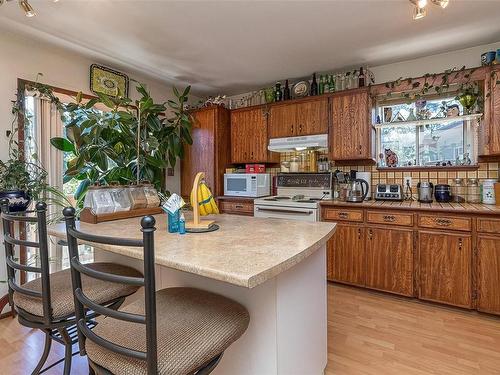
357	191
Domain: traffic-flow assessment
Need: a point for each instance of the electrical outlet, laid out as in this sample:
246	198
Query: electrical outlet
407	181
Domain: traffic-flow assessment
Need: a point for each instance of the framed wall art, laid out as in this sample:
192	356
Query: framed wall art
107	81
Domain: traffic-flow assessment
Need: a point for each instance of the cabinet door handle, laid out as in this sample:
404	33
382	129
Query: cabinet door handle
343	215
370	234
389	218
359	233
360	148
300	128
291	129
460	244
443	222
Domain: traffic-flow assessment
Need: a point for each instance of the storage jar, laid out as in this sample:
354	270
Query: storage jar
488	191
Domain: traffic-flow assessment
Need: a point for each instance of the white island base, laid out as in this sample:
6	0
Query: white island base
288	316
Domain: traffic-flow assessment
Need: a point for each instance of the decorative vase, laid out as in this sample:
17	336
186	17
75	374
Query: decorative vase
468	100
19	200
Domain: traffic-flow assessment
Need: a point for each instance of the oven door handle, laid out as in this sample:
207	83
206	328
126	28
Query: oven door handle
276	210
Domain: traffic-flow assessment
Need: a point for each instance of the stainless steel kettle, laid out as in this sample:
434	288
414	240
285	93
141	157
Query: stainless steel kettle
358	190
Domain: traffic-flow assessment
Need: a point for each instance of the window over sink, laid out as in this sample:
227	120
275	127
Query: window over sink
426	133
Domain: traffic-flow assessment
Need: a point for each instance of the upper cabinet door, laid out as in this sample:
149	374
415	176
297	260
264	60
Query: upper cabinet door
249	137
282	120
494	128
200	155
312	117
351	129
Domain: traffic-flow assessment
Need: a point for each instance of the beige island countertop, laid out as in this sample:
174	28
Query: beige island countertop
245	251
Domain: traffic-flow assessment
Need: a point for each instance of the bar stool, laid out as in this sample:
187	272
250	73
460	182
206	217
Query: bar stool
46	303
173	331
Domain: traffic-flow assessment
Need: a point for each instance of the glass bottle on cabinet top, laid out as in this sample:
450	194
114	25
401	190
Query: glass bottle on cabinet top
278	95
286	91
314	86
458	190
473	191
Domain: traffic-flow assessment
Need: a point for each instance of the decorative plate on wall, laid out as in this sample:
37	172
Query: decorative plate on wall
108	81
300	89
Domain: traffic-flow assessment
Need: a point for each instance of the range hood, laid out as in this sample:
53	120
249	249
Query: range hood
298	143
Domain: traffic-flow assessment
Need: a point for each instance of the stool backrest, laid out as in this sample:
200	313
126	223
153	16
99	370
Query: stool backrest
83	303
38	217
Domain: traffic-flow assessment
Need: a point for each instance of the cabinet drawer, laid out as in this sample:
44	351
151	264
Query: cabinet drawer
342	214
486	225
242	208
393	218
445	222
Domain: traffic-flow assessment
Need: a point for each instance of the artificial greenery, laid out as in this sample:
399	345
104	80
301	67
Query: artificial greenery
133	141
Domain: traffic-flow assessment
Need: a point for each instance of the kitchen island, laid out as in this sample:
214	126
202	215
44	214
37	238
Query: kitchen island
275	268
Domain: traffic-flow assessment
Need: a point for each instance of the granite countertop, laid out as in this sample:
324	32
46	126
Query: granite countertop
417	206
245	251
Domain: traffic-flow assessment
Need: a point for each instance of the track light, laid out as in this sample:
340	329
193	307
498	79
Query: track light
419	13
442	3
420	7
27	8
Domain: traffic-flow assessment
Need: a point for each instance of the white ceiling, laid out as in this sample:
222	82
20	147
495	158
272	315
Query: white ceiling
235	46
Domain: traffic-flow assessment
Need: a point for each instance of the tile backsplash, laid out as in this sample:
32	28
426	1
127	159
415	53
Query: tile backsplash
485	171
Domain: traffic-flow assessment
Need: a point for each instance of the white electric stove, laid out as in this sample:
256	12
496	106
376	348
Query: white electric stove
298	197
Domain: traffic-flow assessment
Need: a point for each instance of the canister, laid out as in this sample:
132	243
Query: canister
488	191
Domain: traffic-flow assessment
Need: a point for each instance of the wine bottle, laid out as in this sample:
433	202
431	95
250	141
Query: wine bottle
321	85
361	78
278	95
331	83
314	86
326	85
286	91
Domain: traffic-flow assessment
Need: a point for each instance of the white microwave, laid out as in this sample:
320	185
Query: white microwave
247	184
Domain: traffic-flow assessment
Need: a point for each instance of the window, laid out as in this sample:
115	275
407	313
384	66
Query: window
426	133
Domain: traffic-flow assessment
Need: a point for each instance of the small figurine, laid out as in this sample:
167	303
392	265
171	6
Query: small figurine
391	158
381	163
453	110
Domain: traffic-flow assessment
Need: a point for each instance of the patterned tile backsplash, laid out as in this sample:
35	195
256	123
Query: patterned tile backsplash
485	171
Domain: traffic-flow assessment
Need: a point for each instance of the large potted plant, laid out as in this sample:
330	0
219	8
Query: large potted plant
133	141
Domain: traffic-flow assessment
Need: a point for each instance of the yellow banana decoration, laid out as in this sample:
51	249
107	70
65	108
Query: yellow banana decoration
206	201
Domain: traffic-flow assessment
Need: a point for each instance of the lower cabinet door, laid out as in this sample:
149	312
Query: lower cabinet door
389	260
346	255
488	280
445	268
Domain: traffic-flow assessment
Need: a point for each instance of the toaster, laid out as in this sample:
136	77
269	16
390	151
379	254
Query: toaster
389	192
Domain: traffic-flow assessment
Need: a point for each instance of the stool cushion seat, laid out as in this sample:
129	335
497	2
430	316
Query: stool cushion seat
193	327
62	292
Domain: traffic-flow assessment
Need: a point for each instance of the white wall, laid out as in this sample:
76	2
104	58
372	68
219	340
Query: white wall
470	57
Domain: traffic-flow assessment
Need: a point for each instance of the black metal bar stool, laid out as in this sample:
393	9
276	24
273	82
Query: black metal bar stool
173	331
47	303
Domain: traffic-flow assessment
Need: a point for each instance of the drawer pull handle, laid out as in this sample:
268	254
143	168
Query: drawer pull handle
343	215
238	206
443	222
389	218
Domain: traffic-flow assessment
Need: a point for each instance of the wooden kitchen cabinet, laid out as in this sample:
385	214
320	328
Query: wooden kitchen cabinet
208	153
249	138
298	118
346	255
236	206
445	268
489	132
389	260
488	273
351	131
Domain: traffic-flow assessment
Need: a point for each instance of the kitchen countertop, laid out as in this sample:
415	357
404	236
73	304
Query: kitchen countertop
417	206
245	251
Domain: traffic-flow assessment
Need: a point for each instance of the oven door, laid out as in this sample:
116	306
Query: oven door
289	213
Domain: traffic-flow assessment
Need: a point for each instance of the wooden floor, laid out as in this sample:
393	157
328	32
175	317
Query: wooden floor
369	333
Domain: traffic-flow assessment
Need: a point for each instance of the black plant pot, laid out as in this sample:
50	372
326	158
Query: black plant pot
19	200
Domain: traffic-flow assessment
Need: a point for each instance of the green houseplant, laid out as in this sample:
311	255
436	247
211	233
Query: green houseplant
131	142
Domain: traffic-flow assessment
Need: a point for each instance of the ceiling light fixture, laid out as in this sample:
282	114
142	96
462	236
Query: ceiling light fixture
24	5
27	8
420	7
